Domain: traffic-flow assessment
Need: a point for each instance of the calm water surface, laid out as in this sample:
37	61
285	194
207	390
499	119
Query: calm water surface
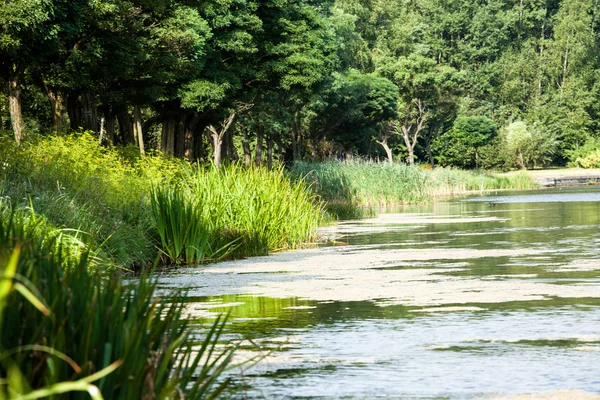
498	294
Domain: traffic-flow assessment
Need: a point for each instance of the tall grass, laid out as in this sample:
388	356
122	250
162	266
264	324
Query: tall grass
347	184
183	234
91	324
234	211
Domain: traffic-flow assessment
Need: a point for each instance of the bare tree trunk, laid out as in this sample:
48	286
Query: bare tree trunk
137	128
387	149
59	110
260	133
246	148
411	151
15	105
217	145
102	123
218	135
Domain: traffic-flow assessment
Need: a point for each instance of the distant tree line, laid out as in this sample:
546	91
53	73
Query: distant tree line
470	83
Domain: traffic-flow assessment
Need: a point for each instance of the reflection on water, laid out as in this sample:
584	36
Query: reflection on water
460	299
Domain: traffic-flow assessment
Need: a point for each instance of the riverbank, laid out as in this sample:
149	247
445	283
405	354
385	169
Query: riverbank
137	211
562	176
349	187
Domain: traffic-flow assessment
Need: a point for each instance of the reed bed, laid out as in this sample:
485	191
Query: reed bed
234	212
347	186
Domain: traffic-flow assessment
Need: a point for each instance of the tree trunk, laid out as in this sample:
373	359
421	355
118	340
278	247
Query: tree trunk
83	111
125	127
388	151
218	137
232	152
111	122
189	132
246	148
74	111
137	128
199	149
269	152
429	152
167	144
15	105
90	112
180	135
260	133
59	110
217	147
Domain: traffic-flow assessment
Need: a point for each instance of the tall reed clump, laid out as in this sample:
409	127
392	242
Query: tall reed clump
347	186
75	331
258	209
179	222
234	211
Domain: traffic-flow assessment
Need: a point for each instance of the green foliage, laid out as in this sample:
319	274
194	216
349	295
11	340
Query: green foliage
357	106
91	323
460	145
582	152
105	195
76	183
586	156
528	146
257	209
180	225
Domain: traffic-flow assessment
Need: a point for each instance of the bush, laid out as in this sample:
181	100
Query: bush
586	156
528	145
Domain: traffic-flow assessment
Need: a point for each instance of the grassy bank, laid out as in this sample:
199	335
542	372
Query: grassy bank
346	186
133	209
67	327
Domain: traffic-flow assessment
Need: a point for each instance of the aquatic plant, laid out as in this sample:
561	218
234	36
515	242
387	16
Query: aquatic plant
106	195
261	210
344	185
93	322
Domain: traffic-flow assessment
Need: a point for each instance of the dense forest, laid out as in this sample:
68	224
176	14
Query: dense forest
474	83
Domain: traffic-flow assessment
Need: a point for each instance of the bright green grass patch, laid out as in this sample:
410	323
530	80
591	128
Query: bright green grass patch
234	211
382	184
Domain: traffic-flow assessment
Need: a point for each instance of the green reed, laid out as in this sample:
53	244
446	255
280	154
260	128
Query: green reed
344	185
96	331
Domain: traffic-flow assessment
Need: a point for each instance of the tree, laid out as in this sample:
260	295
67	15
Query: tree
528	144
460	145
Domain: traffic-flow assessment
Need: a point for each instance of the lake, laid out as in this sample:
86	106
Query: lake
476	297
